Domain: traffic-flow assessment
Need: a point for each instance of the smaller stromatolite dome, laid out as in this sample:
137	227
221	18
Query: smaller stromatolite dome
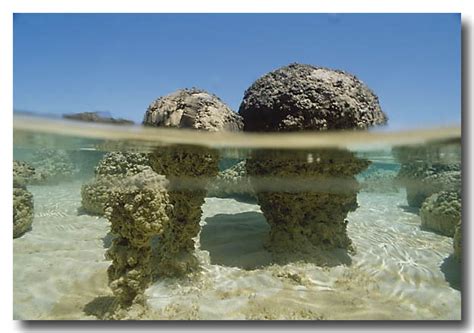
304	97
441	212
193	109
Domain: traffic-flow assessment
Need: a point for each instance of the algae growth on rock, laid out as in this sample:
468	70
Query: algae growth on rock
188	169
307	98
197	232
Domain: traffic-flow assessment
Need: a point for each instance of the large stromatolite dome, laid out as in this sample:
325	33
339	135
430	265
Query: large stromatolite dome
194	109
304	97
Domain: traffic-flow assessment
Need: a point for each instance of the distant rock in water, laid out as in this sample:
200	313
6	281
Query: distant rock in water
23	206
441	212
194	109
52	166
97	117
303	97
379	180
427	169
232	183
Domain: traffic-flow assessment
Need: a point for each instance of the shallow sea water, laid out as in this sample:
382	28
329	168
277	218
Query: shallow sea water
398	271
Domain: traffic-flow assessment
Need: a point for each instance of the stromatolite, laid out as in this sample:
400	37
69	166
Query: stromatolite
307	98
187	167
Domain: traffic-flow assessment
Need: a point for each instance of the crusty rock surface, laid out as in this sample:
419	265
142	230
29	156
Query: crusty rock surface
52	166
110	170
23	211
95	194
308	98
304	97
309	209
188	169
193	109
138	209
232	183
379	181
23	173
441	212
427	169
23	205
423	180
121	163
457	242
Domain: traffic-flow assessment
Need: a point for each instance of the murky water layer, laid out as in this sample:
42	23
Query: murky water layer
136	223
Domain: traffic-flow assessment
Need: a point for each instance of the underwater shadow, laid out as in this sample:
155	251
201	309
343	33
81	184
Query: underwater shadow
81	211
409	209
107	240
452	271
101	306
237	240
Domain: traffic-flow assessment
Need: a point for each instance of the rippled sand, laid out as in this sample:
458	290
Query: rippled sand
398	272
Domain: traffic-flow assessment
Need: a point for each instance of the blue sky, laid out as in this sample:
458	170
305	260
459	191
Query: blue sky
121	62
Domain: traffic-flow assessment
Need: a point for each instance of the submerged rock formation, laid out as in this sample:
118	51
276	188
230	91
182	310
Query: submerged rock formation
138	209
232	183
188	168
23	206
23	211
457	242
109	171
441	212
379	181
298	98
424	171
306	203
24	173
52	166
422	179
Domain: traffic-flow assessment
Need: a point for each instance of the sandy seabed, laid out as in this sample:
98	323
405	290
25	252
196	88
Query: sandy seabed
399	271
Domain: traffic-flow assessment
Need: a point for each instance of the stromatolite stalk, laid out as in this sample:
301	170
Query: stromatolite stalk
305	197
138	209
188	169
319	188
23	205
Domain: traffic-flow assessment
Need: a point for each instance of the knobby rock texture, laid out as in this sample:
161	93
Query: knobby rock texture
307	98
138	209
188	168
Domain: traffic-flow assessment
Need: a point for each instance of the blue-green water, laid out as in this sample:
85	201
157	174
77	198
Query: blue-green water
319	233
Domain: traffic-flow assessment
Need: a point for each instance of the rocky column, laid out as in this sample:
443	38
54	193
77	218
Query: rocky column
138	209
23	205
317	188
188	169
305	196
